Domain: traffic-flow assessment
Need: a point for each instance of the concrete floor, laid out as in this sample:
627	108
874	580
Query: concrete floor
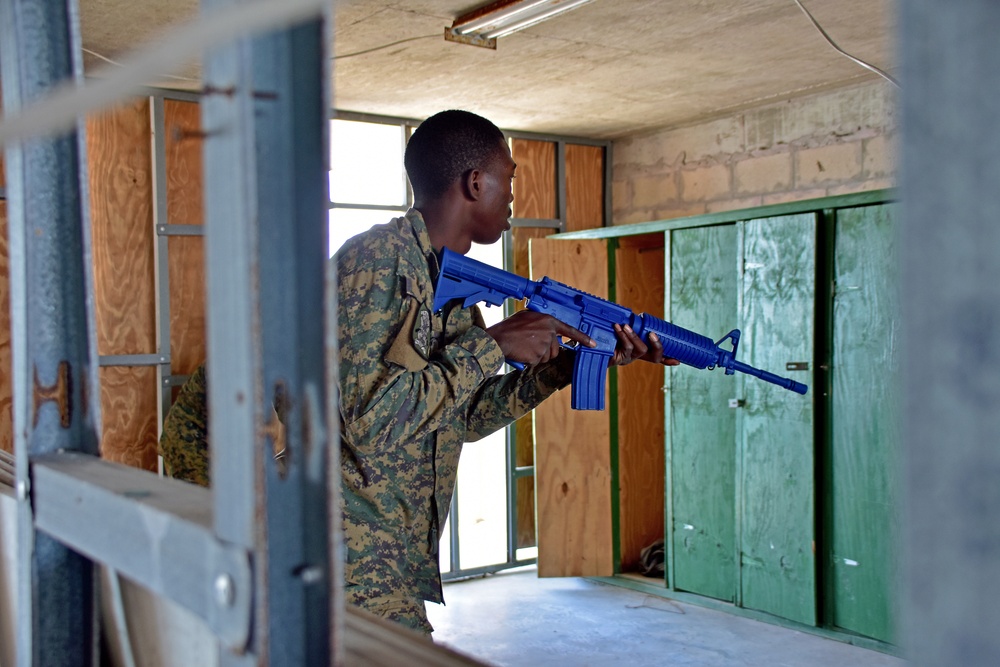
515	619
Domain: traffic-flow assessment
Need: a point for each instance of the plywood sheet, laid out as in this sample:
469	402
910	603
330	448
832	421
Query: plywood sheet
185	254
704	293
6	380
866	440
128	412
778	548
584	187
572	447
535	182
121	198
641	452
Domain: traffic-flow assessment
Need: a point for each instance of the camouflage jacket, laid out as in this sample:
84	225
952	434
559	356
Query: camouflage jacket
184	441
415	385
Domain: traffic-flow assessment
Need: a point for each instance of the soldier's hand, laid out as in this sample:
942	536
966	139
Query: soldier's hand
631	347
533	338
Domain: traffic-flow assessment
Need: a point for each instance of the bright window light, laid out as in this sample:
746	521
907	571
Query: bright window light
366	163
348	222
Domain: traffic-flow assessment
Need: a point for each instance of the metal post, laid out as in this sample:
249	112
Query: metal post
950	242
264	113
54	362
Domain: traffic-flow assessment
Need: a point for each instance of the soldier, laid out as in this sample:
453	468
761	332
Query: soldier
415	384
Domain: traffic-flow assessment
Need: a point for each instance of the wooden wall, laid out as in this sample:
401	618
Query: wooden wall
119	146
535	193
121	200
639	269
120	171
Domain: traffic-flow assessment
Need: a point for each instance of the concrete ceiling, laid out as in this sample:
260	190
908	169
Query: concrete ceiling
609	69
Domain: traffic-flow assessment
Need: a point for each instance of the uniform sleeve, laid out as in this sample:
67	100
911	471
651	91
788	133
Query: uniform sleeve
184	441
392	389
505	398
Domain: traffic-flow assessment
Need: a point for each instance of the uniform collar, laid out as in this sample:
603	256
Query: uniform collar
416	220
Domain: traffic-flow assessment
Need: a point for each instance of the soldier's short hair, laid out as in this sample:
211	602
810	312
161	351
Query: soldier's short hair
445	147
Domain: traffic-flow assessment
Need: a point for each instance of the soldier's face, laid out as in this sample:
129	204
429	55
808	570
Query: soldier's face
497	196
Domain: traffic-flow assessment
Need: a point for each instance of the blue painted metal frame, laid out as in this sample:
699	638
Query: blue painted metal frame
264	117
53	373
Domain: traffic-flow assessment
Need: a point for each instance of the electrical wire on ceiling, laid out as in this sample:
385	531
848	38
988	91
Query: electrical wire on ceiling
867	66
118	64
383	46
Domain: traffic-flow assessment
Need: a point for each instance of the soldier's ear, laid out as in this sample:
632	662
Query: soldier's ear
472	184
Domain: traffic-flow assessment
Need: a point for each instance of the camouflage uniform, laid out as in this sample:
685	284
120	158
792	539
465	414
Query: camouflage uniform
415	385
184	441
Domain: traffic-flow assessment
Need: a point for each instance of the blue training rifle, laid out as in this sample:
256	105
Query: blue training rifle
473	281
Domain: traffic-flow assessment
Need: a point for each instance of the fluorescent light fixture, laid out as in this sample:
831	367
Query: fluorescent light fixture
483	26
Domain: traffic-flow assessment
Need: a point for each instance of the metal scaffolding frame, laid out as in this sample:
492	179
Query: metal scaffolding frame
259	548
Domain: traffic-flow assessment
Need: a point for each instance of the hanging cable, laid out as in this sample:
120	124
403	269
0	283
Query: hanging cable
867	66
118	64
383	46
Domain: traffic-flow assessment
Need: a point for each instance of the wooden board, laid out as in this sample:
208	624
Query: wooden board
185	263
572	447
703	299
128	412
535	182
778	543
641	455
121	199
6	377
584	187
865	436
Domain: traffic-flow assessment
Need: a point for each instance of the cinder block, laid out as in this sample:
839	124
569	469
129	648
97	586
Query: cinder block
706	183
835	163
793	195
880	157
653	191
733	204
769	173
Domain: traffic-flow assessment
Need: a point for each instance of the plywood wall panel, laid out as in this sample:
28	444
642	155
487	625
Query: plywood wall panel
186	261
121	199
584	187
128	413
535	181
572	447
641	458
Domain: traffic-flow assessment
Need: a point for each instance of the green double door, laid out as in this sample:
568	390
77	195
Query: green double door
754	495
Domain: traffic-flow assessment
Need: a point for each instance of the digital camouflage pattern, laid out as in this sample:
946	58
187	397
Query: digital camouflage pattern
415	385
184	441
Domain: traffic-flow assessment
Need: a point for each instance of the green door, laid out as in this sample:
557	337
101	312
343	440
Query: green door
777	541
865	421
703	290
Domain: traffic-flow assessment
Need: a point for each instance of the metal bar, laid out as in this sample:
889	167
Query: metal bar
3	193
132	360
266	201
524	471
472	572
455	560
608	216
174	380
537	222
53	370
154	530
561	184
177	230
161	263
370	207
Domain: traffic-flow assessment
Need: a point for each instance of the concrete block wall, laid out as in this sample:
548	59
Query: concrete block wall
825	144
